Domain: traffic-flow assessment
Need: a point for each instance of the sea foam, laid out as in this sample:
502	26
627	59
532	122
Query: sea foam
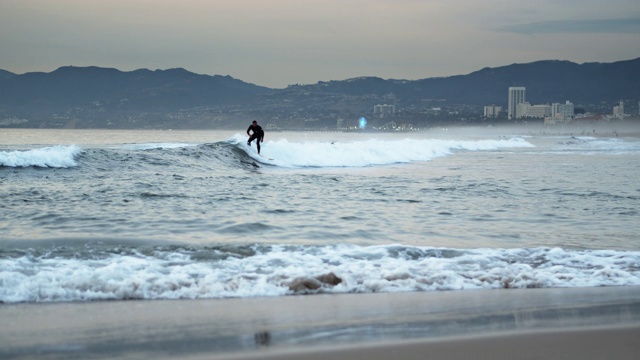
368	152
191	273
54	157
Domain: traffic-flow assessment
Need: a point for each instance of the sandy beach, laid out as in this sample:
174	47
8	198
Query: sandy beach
603	343
585	323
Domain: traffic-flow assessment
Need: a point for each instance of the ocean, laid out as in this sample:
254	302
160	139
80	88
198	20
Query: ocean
90	215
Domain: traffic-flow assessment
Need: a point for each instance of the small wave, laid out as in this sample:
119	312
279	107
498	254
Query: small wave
189	272
53	157
150	146
590	145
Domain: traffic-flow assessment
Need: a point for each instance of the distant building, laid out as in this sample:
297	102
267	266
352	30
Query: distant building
526	110
618	111
560	113
516	96
492	111
521	110
565	111
384	110
539	111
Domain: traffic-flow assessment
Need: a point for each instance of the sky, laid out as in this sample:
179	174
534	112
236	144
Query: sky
276	43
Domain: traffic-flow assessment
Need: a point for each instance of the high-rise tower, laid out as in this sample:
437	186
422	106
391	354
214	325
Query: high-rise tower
516	96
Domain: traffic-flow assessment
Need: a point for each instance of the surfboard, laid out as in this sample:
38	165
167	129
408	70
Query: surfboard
268	158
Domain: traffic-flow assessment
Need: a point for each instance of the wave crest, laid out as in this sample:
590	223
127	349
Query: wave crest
54	157
371	152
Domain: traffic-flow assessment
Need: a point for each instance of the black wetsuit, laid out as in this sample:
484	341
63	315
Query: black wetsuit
258	134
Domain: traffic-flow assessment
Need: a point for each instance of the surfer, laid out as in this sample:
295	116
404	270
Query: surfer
255	132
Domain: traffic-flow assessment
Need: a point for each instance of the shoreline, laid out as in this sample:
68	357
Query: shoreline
618	343
310	327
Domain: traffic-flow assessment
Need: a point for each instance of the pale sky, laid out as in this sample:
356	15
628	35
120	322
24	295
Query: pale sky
276	43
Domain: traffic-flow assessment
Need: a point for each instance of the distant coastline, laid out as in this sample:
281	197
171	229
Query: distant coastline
106	98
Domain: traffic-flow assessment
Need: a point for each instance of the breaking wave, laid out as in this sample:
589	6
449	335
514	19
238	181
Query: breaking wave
98	272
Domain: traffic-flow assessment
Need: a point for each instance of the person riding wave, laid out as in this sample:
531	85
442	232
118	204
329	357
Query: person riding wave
255	132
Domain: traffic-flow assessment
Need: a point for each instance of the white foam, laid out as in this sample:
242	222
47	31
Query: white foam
55	156
586	145
390	268
367	153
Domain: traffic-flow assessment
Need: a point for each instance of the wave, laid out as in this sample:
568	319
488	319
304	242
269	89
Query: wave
53	157
586	145
95	272
365	153
235	151
151	146
131	156
289	154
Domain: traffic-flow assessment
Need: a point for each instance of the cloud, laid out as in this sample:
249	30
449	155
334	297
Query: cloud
612	26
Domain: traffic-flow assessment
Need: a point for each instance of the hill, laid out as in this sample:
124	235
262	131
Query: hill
104	97
38	95
4	74
546	81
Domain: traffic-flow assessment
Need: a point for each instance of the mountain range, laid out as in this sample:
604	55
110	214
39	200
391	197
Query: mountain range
95	96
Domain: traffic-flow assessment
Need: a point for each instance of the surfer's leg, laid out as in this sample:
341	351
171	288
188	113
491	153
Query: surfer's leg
258	145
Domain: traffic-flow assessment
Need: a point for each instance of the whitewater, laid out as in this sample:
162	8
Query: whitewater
119	215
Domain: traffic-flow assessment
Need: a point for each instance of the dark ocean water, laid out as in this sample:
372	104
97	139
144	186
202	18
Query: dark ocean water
88	215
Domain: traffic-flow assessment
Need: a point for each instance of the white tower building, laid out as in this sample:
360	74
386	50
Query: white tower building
516	96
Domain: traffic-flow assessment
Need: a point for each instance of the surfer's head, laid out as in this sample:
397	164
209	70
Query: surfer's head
255	122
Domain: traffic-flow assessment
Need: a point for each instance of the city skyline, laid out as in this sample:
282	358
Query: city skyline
285	42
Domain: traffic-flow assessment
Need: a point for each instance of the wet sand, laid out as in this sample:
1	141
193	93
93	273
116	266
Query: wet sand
585	323
603	343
